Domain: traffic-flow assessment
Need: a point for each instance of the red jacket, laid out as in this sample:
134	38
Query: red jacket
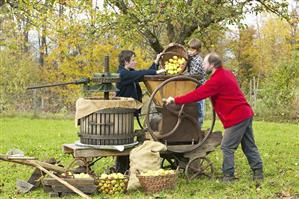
228	100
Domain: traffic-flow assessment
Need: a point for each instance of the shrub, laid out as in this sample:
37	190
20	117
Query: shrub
280	91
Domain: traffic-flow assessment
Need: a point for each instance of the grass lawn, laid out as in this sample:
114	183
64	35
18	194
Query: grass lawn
42	138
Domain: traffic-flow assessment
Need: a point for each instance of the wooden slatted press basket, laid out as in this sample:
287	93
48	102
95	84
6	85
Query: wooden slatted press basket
108	127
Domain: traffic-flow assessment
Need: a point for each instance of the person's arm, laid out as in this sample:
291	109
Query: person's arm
210	88
154	66
128	77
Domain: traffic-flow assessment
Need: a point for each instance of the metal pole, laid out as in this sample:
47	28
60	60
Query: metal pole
106	72
106	64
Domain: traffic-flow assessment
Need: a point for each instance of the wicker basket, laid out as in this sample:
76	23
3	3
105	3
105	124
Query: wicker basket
174	50
153	184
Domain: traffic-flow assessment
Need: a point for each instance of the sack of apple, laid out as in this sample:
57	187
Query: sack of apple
174	65
113	183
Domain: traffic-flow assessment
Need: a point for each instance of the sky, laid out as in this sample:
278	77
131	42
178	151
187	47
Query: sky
251	19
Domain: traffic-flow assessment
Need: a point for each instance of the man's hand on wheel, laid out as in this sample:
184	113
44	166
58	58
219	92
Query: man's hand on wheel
169	100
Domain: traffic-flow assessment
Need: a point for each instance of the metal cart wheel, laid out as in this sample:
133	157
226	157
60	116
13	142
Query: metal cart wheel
142	116
198	167
180	113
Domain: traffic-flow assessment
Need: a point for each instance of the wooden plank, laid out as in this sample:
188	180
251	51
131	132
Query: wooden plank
84	185
151	86
100	128
20	158
72	181
47	188
43	164
164	77
83	152
88	189
53	194
68	148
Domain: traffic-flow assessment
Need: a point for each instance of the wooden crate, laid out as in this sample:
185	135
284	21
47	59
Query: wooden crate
55	188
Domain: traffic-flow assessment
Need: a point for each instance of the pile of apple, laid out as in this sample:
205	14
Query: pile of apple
160	172
82	175
174	65
112	183
70	175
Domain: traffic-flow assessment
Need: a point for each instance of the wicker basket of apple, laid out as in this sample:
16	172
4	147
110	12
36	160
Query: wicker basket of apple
175	65
174	59
156	181
113	183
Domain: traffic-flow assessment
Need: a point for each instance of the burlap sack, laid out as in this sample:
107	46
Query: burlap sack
143	158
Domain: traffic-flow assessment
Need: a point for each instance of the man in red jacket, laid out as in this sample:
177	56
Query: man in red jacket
234	112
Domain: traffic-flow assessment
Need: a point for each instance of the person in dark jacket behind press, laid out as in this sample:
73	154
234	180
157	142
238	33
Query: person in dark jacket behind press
128	86
234	112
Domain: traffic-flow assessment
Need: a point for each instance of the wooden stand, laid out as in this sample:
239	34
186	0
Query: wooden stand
85	152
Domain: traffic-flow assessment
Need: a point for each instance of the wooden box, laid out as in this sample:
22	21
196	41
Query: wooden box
55	188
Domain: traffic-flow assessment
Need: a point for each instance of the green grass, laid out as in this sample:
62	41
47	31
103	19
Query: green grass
278	144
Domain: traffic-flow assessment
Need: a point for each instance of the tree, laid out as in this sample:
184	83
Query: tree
273	44
158	22
278	66
17	66
244	54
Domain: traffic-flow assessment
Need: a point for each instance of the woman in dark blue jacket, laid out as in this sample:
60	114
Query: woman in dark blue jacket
129	87
130	77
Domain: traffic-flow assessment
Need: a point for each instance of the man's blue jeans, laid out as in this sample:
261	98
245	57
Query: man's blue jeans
201	111
233	136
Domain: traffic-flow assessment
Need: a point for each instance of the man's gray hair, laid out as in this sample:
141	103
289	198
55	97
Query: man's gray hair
214	59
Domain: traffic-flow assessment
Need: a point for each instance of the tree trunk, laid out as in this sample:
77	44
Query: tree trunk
43	47
26	36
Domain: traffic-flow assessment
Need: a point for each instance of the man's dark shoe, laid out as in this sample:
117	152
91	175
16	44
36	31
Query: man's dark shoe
228	178
258	174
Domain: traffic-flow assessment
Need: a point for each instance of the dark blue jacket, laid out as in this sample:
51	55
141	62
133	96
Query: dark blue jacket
128	85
